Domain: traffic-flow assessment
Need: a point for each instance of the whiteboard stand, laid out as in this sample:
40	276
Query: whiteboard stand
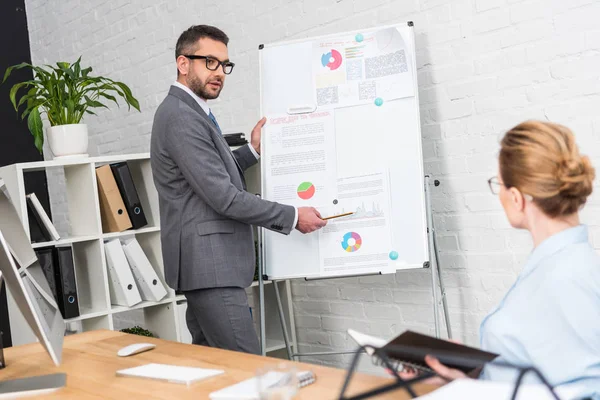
436	276
435	269
286	338
261	293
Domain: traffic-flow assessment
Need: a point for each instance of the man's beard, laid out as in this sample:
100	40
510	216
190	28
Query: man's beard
200	89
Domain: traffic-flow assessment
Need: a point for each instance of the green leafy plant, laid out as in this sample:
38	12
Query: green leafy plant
65	93
137	330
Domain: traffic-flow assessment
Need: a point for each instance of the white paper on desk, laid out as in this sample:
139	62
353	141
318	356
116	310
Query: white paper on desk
472	389
245	390
170	373
248	389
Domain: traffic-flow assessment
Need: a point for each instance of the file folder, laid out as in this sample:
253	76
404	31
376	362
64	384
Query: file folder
150	286
115	217
66	284
129	193
46	257
37	231
35	207
123	290
185	335
59	271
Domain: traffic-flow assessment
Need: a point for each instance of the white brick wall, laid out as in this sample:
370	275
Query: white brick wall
484	65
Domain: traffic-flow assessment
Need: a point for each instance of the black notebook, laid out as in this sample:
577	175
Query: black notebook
410	348
235	139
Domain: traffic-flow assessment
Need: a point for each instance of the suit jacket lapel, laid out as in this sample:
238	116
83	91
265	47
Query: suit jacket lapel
187	99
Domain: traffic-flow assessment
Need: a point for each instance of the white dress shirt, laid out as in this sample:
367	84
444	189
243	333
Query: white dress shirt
204	105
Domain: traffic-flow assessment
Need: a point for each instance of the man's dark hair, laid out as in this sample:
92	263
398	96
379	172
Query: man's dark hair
188	40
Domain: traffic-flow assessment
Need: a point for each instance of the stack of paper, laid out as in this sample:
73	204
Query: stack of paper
170	373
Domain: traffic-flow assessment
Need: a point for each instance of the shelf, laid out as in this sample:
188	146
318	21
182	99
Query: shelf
65	241
119	158
90	266
40	165
139	306
88	315
131	232
274	345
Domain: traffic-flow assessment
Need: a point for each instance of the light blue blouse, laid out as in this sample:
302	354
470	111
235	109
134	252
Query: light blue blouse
550	317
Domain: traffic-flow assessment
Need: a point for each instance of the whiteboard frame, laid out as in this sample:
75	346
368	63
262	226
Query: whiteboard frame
422	193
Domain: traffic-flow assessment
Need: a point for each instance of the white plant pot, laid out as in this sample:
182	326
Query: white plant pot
68	140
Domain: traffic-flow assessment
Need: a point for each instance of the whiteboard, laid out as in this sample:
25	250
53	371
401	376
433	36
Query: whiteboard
367	135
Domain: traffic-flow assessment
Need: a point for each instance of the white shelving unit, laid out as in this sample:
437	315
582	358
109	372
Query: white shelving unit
86	239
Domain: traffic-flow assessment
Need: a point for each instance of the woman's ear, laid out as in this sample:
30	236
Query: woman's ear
517	199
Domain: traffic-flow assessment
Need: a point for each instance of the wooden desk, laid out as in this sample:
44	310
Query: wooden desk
90	361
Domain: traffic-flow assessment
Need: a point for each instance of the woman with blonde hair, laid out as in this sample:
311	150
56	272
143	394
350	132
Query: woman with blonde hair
550	317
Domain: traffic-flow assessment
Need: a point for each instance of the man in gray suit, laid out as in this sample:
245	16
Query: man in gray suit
205	211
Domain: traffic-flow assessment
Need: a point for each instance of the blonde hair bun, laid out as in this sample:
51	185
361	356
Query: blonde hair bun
541	159
576	176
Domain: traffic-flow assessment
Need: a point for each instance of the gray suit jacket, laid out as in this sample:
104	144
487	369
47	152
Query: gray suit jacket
205	212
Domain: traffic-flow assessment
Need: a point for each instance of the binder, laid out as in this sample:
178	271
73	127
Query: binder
129	193
186	336
37	231
150	286
115	217
59	270
46	257
48	229
123	290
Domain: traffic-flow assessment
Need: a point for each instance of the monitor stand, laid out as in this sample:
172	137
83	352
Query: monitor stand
2	364
35	385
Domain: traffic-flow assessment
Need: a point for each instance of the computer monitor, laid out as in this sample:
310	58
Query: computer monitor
31	293
28	286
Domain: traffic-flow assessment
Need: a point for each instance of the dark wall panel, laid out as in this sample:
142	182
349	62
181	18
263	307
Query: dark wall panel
16	143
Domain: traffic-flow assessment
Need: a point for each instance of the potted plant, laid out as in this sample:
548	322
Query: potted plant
64	93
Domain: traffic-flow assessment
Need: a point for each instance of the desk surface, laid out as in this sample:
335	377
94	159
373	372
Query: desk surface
90	362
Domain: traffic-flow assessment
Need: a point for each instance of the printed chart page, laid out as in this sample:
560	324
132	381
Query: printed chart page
359	243
300	159
358	69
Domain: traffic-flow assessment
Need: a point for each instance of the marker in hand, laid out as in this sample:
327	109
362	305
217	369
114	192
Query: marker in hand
337	216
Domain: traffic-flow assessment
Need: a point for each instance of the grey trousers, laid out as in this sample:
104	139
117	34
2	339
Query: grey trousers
220	317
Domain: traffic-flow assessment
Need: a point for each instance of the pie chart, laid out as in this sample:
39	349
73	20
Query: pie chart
332	60
351	242
306	190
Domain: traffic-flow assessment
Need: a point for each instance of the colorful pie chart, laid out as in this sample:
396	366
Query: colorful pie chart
306	190
351	242
332	60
